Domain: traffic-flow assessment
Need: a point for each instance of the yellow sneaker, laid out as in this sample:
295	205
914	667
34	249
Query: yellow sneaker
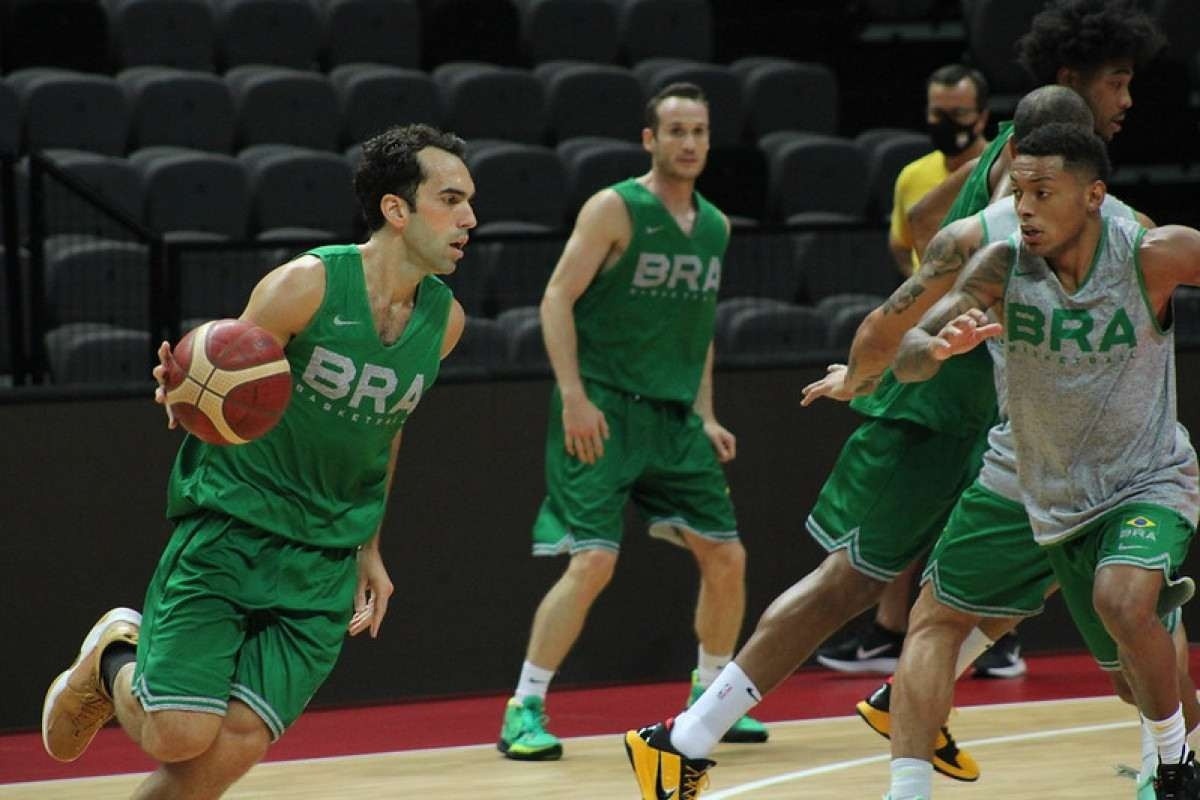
662	772
875	710
77	705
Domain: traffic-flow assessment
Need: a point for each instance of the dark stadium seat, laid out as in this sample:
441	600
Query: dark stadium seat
767	334
277	105
483	346
833	262
593	163
889	151
373	97
735	179
193	191
484	100
286	33
679	28
170	106
376	31
526	347
171	33
94	353
519	183
760	265
10	120
579	29
843	324
993	27
782	95
116	181
97	280
67	109
299	192
814	174
517	271
591	100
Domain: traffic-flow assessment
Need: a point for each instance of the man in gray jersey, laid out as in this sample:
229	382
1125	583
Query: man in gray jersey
1110	488
955	606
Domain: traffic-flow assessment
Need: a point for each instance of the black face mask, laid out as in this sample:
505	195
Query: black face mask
950	137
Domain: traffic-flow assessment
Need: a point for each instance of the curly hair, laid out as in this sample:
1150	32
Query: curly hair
389	165
1085	34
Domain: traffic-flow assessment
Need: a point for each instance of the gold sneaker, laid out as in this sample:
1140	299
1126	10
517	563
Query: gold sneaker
76	705
661	771
875	710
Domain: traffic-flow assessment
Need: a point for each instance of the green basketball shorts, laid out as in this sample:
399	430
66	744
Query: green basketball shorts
234	612
1139	534
657	454
986	562
890	492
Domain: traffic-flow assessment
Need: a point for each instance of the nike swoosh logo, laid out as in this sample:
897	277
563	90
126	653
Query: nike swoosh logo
337	320
863	653
753	696
653	229
662	793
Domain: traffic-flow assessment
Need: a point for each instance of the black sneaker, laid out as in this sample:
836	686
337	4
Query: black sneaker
875	649
1178	781
1002	660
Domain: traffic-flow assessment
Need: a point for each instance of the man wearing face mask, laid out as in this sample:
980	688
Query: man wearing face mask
956	115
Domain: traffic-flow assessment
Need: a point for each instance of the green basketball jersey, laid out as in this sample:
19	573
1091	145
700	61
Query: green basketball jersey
961	397
320	476
645	323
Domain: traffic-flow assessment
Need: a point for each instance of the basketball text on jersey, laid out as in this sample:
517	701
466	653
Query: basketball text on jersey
681	272
333	376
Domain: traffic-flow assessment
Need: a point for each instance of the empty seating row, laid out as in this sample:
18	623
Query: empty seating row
208	34
281	190
256	104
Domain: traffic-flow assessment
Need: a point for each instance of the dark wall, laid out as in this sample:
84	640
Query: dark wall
82	487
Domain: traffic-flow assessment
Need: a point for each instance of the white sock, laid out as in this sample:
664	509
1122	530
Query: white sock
697	730
975	645
912	779
1170	737
1149	753
708	666
534	681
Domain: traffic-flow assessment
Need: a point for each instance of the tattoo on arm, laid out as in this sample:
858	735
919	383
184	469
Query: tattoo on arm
943	257
863	384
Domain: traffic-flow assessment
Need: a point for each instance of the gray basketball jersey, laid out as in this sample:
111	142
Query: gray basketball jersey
1090	386
999	471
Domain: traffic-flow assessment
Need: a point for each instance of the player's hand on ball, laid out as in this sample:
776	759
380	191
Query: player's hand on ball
166	360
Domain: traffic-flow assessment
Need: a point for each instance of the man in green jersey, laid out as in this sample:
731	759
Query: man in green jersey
275	552
628	317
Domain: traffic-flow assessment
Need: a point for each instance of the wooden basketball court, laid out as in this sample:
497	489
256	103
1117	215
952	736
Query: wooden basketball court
1062	749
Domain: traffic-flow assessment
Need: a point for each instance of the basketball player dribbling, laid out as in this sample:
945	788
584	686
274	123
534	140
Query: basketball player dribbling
275	551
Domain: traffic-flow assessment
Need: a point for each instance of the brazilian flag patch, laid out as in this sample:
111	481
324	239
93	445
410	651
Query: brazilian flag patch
1140	522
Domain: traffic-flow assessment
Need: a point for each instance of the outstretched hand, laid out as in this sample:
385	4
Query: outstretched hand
963	333
832	385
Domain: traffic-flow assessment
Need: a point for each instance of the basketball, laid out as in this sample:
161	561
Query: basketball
230	382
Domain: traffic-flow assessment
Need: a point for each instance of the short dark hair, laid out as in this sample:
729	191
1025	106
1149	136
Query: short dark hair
688	91
1086	34
1080	148
1052	103
389	165
951	74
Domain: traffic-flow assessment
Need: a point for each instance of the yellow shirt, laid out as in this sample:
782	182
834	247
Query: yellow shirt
914	182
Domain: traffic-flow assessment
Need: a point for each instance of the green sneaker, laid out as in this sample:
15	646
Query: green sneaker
746	730
523	736
1145	789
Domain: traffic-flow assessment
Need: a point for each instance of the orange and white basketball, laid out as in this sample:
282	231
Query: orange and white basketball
230	383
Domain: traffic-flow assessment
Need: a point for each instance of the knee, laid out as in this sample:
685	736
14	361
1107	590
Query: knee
173	736
1123	613
245	734
591	570
726	562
